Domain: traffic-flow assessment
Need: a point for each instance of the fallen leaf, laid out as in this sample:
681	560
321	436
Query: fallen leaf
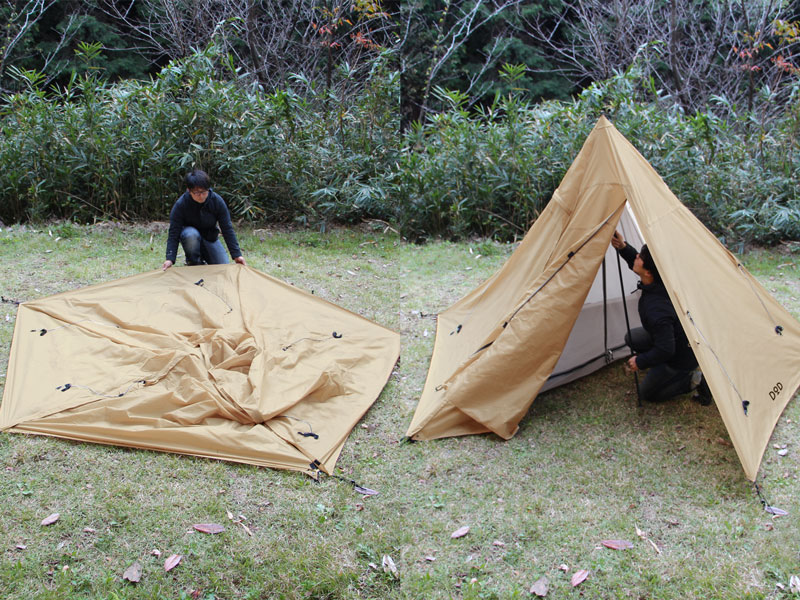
640	533
246	529
460	532
155	552
172	562
89	530
21	546
794	584
389	566
769	526
783	452
133	573
430	558
359	506
617	544
539	588
230	515
51	519
498	543
209	528
563	567
579	577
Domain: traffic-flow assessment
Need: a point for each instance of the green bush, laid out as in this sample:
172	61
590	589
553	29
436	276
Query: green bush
92	150
489	173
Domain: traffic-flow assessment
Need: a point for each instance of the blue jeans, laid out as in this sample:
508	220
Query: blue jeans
199	251
661	382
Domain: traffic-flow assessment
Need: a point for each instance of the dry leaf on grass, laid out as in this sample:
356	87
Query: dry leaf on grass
539	588
617	544
20	546
498	543
389	566
51	519
133	573
579	577
460	532
172	562
794	584
155	552
246	528
209	527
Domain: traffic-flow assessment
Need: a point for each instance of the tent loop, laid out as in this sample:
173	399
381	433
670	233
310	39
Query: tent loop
201	283
44	331
745	403
309	433
335	335
68	386
778	328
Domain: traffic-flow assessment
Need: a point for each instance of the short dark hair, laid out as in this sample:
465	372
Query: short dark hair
197	179
648	262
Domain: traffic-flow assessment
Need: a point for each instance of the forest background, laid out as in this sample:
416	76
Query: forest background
446	118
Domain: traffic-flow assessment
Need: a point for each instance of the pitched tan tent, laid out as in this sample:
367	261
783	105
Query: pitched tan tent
539	321
218	361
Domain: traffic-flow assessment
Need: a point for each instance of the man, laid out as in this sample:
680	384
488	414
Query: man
661	345
193	221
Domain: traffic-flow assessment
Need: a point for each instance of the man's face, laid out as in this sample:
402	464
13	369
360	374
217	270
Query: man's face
199	195
638	266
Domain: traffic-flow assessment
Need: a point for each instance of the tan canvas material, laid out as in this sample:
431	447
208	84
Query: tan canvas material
540	315
219	361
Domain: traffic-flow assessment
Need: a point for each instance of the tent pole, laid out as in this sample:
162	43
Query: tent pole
628	326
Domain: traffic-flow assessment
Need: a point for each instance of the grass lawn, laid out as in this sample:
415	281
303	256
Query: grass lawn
587	464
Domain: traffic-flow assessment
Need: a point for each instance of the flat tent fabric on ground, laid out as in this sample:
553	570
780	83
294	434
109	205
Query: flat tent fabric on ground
541	321
219	361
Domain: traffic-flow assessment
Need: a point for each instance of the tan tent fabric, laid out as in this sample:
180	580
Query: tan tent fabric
219	361
539	320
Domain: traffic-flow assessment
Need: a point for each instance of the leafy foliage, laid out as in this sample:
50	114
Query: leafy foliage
93	150
491	172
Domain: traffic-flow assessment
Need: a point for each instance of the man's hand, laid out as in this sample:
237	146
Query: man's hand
632	366
240	260
167	264
618	241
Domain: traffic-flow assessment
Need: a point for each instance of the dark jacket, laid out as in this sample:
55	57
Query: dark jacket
659	319
204	217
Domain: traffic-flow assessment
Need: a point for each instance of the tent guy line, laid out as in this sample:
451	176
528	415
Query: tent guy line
778	327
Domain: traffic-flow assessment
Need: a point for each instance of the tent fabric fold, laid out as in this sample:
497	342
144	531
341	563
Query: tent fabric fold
572	305
219	361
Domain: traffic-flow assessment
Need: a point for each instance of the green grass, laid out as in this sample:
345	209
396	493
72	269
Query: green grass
587	464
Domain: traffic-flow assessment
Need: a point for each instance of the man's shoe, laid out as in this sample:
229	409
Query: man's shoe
702	394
